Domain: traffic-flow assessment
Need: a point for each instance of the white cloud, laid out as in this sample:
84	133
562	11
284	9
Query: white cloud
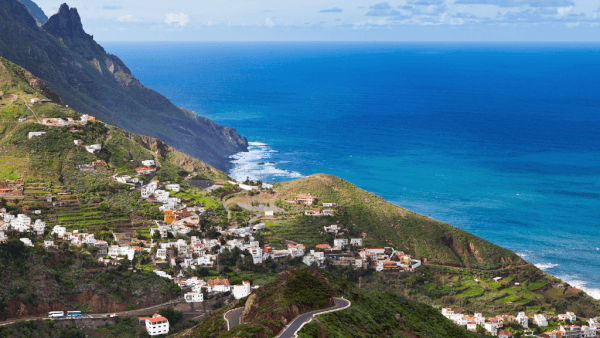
128	18
177	19
269	22
564	10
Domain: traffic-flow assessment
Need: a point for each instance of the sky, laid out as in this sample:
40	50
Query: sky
330	20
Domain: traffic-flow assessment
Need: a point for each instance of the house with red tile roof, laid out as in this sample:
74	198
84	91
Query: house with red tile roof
155	325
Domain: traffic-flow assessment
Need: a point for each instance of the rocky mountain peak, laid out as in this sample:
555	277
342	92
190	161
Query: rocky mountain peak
66	23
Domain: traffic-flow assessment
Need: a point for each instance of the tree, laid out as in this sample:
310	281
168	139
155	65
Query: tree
173	316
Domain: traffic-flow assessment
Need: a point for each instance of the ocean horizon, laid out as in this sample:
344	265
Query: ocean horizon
498	139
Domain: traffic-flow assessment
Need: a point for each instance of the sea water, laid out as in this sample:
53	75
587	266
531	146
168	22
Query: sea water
500	140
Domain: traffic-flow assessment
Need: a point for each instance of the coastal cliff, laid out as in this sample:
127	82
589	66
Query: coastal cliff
95	82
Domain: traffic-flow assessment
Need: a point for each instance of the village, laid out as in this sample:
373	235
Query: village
562	325
187	242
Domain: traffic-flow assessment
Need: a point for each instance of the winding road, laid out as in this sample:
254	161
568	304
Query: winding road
233	318
295	326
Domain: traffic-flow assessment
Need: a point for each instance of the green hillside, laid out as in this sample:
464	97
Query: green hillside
95	82
386	224
70	277
458	267
371	314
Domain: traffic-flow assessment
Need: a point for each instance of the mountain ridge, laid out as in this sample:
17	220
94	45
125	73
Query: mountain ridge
95	82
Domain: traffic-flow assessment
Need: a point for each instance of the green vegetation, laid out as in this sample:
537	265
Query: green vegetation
372	314
63	275
390	225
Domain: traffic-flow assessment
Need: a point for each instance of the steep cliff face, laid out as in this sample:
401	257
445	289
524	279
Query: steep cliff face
94	82
35	11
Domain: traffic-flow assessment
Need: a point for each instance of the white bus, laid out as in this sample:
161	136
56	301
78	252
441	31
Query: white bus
73	314
56	314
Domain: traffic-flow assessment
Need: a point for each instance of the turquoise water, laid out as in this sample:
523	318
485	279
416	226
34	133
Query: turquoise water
500	140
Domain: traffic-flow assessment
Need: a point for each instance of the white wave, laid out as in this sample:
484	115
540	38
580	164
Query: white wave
255	164
545	266
522	254
581	285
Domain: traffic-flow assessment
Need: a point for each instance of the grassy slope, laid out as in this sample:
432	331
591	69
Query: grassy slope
456	258
122	150
98	83
386	224
48	165
371	315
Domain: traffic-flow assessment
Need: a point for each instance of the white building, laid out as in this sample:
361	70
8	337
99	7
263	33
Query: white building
148	163
161	253
155	325
540	320
93	148
194	297
247	187
267	186
36	134
173	187
588	332
48	244
523	320
241	291
331	229
59	231
269	213
340	243
78	142
27	242
356	241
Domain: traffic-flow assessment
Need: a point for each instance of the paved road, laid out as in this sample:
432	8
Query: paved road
234	317
131	313
290	330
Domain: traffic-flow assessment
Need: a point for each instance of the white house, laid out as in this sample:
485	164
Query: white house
267	186
540	320
194	297
27	242
59	231
593	322
173	187
247	187
340	243
329	205
78	142
570	316
241	291
269	213
504	334
36	134
523	320
146	192
588	332
161	253
48	244
39	226
93	148
328	212
331	229
356	241
155	325
148	163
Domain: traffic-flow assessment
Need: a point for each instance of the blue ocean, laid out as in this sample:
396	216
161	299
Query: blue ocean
499	139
